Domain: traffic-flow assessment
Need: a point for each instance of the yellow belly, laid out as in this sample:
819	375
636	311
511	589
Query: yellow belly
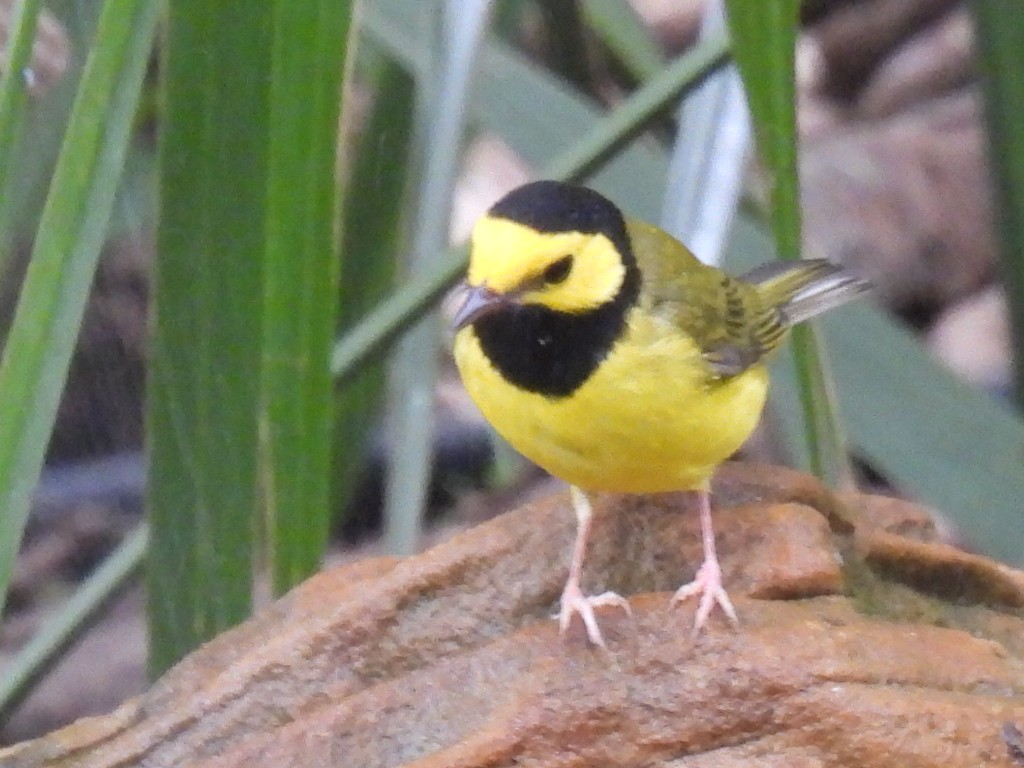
648	419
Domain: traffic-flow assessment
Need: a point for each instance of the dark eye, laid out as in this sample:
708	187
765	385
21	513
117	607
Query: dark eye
558	271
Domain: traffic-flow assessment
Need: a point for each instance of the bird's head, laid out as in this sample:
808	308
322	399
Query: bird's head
547	245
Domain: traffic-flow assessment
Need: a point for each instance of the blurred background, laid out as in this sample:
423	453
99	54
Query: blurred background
443	112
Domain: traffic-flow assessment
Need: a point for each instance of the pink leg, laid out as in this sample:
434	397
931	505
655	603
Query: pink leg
708	582
573	599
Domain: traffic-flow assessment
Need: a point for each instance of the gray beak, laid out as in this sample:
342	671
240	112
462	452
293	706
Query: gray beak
479	301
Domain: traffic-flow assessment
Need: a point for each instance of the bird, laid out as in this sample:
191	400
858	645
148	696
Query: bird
606	353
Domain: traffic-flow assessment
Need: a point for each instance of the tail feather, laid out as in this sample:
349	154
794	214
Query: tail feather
804	289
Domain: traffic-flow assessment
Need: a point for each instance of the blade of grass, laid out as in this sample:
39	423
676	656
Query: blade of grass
372	238
509	86
620	27
1001	52
607	136
44	121
68	243
301	268
203	394
706	173
441	111
369	338
58	634
13	98
764	38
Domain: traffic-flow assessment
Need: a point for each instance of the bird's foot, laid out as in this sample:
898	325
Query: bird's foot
575	602
708	585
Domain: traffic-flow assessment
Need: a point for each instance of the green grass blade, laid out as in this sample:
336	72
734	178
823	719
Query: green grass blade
203	394
60	632
1001	53
620	27
763	45
13	98
613	132
707	171
441	112
40	127
67	246
763	39
301	272
372	335
372	238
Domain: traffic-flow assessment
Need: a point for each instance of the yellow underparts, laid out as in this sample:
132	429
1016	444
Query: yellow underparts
648	420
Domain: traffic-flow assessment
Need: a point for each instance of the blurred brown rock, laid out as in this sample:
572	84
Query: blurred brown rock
674	23
101	410
856	36
490	170
856	648
972	337
936	60
99	672
906	201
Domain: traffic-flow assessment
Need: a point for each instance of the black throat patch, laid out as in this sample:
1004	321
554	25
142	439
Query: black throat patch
540	349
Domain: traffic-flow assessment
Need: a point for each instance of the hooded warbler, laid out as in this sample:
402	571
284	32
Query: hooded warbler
606	353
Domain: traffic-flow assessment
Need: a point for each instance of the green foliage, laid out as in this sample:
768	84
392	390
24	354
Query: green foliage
13	100
373	233
240	400
1001	54
764	39
620	27
301	266
203	398
74	222
245	294
61	630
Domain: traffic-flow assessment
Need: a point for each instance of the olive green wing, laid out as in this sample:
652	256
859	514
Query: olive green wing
735	321
726	317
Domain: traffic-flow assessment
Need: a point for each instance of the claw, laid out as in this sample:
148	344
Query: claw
575	602
708	582
708	585
573	599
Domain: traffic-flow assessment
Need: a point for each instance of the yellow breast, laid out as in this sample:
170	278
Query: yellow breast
649	419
